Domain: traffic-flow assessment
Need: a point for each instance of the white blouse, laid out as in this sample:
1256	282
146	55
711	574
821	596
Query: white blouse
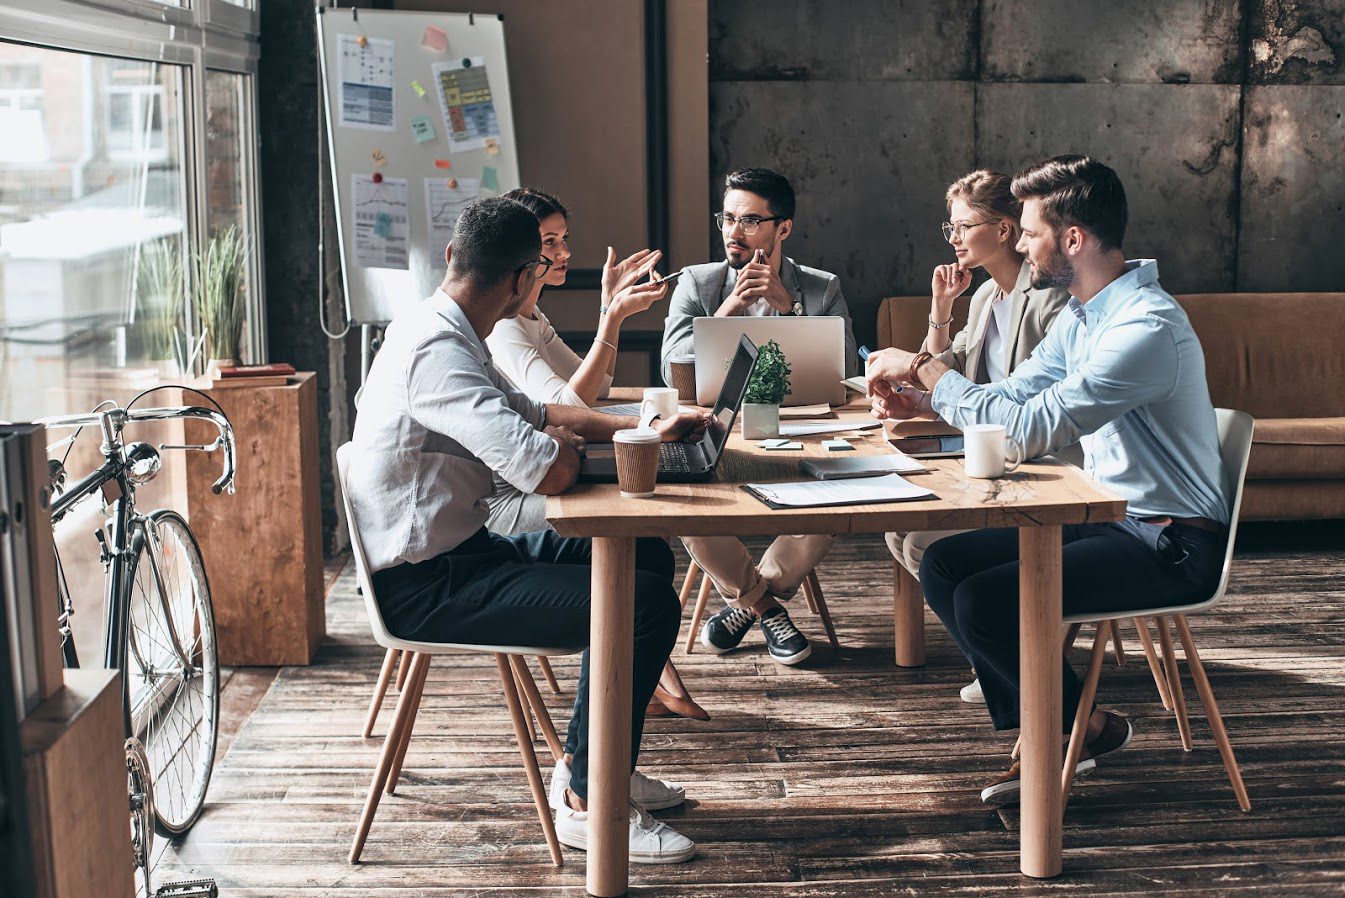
534	358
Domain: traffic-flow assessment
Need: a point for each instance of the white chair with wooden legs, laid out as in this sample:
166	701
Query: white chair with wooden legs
1235	441
513	674
812	594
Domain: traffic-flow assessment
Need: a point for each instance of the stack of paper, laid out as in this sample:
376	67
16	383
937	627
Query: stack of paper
819	493
813	428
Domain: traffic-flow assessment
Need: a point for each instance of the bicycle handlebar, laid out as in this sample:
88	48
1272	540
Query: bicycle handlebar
113	420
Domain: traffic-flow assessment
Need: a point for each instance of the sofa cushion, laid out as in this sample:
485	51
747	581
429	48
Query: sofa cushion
1297	448
903	321
1273	354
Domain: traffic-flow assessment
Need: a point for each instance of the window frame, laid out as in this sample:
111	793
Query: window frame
199	36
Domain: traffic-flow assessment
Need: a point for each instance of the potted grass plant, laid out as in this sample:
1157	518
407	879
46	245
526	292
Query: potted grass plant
217	299
160	298
765	391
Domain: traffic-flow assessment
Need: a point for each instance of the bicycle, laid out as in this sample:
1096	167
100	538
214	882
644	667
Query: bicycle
160	627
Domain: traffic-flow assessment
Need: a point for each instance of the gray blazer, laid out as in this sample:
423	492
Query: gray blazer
703	288
1032	312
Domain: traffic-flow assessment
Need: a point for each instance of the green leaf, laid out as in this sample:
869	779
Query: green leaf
770	378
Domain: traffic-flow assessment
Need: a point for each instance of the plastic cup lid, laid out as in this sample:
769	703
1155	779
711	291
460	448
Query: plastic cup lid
637	435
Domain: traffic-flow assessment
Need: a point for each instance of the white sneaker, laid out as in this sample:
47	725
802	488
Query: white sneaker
651	841
972	694
645	791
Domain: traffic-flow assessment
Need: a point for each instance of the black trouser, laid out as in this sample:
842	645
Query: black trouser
971	582
534	589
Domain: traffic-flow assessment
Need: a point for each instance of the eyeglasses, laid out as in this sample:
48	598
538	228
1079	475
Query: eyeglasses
750	223
952	229
542	265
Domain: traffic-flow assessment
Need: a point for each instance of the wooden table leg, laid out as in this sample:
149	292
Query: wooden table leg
609	690
1039	670
908	617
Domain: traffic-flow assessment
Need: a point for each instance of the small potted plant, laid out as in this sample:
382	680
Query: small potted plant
218	284
765	391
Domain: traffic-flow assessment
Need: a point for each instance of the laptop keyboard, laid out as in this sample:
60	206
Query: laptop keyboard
672	458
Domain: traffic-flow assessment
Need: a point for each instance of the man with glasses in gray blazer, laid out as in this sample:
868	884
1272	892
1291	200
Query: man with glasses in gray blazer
757	279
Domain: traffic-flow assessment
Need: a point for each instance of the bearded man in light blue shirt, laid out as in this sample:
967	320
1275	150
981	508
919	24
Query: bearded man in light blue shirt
1122	373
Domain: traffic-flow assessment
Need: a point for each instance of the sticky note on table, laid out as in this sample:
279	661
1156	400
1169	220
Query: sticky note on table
416	86
837	446
435	39
771	444
490	179
786	445
383	225
422	126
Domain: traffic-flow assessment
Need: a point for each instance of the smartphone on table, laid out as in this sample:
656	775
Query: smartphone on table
948	446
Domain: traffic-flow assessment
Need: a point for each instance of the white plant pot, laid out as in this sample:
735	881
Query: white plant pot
760	421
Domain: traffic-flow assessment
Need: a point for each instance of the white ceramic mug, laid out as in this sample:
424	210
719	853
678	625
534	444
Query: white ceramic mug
658	401
985	447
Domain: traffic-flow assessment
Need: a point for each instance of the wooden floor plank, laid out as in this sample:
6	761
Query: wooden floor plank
845	777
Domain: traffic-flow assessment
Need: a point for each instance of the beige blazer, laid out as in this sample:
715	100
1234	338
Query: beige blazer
1032	312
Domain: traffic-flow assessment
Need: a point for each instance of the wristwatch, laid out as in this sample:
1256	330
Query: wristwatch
797	307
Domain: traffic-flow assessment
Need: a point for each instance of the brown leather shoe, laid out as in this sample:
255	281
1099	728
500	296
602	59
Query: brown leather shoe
1115	735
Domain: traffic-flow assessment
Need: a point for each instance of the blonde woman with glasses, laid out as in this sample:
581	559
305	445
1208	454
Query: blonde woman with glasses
1008	316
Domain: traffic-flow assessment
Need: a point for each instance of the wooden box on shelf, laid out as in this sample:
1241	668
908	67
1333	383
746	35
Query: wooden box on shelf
74	773
263	545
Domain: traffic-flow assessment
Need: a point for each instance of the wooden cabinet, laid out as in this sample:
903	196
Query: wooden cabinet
74	772
263	545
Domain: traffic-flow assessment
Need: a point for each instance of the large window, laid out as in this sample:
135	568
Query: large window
122	156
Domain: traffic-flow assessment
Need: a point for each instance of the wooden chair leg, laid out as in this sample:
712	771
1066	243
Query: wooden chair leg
1017	748
545	664
539	710
380	691
1150	655
1174	681
415	688
908	618
694	630
403	668
391	744
1085	709
507	682
1070	635
527	708
1117	645
1216	719
688	584
812	588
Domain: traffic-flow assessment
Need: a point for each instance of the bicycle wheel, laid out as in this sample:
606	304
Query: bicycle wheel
171	694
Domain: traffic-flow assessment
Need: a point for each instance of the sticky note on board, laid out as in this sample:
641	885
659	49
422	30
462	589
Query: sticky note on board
435	39
492	147
383	225
416	86
490	179
422	126
443	163
379	159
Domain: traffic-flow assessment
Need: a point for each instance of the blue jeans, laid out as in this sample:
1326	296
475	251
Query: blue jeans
534	589
971	582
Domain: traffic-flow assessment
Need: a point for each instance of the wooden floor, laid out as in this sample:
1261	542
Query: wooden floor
846	777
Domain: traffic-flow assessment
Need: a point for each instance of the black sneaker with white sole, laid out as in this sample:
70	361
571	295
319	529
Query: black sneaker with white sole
783	640
725	630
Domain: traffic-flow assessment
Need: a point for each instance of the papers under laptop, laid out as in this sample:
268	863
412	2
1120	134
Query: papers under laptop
820	493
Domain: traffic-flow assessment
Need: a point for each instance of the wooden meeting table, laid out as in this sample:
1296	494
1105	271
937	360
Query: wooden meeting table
1037	499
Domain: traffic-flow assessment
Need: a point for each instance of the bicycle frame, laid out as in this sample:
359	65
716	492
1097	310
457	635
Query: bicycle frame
118	492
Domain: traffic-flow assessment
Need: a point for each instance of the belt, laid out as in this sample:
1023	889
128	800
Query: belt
1199	523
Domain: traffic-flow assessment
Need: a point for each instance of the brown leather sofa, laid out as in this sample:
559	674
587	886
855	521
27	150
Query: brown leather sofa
1280	357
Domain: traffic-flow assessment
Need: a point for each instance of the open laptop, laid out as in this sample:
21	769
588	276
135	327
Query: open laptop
687	462
814	346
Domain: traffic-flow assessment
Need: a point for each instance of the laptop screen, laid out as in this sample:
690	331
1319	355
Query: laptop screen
730	398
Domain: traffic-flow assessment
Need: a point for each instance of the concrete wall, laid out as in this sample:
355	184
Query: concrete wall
1224	120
